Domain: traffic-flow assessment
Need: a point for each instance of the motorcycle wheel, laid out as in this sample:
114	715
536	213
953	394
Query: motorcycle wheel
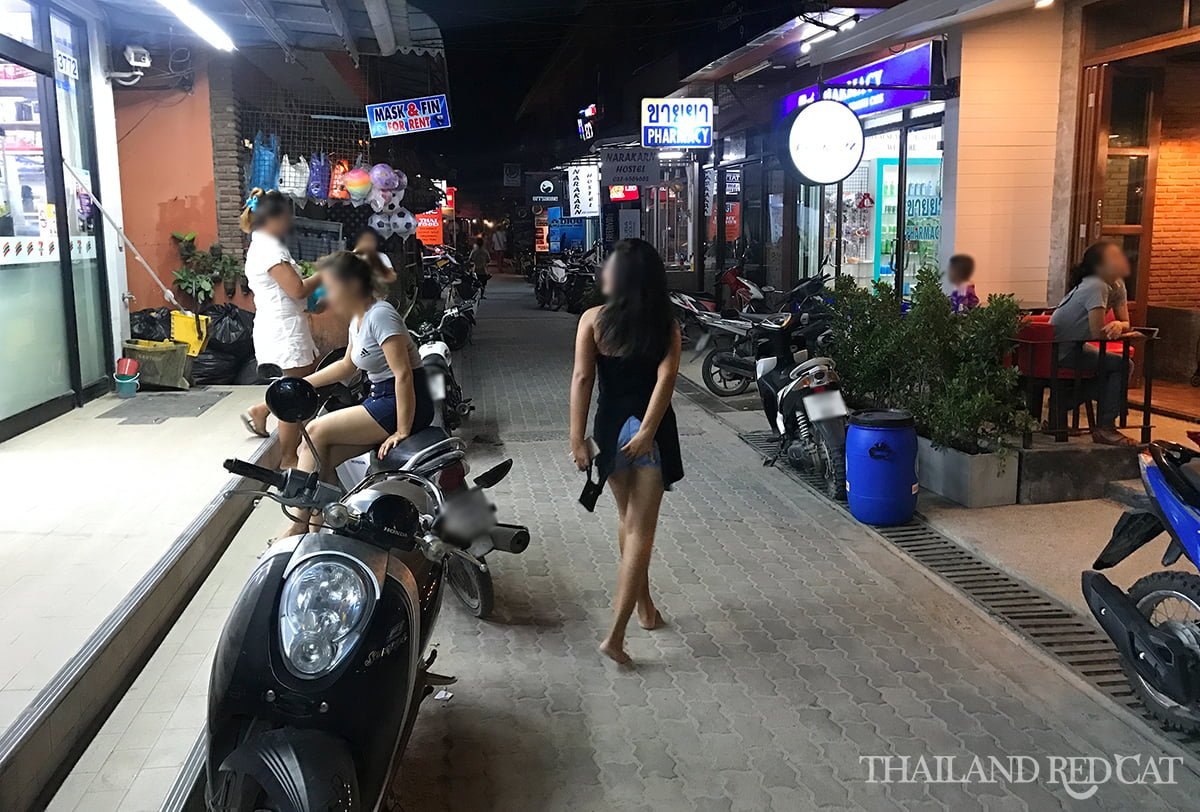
1161	596
719	382
473	588
831	445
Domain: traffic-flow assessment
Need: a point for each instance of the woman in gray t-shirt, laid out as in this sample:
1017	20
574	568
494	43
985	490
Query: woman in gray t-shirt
399	403
1097	286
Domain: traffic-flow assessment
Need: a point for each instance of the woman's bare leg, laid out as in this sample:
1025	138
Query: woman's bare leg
337	437
289	433
649	617
644	490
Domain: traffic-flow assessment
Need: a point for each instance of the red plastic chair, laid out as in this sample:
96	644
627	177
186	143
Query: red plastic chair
1035	362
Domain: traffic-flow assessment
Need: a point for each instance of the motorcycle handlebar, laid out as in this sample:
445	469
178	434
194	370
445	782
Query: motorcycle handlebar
249	470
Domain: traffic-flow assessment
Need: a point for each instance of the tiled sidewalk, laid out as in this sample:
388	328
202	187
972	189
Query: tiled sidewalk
92	502
796	645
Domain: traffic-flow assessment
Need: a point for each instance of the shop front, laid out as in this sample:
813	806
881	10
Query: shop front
56	336
883	222
1136	171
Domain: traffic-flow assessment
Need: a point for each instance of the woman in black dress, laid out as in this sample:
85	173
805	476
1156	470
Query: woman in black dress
632	344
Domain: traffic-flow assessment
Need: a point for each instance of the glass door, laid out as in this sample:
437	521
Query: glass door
34	347
922	203
869	208
84	234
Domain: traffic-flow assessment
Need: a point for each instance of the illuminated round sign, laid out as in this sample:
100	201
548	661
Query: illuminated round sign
823	142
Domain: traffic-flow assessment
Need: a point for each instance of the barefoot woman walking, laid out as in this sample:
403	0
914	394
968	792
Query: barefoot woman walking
632	344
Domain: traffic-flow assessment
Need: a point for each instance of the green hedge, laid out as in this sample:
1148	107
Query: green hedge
947	369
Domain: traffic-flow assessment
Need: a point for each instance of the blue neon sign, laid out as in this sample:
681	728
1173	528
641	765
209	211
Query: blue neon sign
911	67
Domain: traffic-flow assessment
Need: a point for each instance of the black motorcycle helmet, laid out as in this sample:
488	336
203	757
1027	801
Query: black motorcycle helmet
292	400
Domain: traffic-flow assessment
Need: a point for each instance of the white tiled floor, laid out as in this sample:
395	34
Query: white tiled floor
132	763
89	505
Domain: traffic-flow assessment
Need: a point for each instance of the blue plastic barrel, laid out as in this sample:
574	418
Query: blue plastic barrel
881	466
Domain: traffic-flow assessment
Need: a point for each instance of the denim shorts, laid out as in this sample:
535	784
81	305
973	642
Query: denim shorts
621	463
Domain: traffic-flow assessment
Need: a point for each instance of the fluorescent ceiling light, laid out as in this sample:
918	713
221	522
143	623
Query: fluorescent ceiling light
1043	3
807	45
742	74
672	154
199	22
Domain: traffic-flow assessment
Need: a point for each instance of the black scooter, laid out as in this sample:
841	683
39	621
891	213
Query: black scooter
320	669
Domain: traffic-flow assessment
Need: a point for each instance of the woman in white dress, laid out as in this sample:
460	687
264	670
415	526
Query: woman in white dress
282	335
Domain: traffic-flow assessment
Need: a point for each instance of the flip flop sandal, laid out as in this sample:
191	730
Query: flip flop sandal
248	422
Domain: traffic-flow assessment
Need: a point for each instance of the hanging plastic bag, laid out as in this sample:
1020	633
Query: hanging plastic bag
318	176
337	180
264	163
293	177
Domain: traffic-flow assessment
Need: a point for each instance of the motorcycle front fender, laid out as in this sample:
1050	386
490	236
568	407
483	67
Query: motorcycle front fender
298	770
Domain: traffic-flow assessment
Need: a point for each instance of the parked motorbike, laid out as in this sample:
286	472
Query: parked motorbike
550	287
1155	626
434	344
320	670
803	401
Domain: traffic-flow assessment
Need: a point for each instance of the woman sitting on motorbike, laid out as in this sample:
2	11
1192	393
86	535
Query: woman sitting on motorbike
380	345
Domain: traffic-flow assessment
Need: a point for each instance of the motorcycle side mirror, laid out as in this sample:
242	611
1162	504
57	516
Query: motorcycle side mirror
292	400
494	475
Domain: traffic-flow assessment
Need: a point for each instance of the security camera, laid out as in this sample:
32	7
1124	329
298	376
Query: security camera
137	56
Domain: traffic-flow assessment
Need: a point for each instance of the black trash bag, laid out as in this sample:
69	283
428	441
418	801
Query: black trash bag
230	330
248	374
151	324
212	368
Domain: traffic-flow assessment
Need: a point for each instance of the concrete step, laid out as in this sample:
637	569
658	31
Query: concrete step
1124	490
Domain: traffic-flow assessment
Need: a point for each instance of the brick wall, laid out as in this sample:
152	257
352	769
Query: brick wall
227	153
1175	247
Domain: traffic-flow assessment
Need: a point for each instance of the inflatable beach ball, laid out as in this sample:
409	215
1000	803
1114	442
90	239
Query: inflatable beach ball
358	183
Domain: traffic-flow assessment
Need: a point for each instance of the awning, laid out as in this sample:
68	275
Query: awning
911	20
375	27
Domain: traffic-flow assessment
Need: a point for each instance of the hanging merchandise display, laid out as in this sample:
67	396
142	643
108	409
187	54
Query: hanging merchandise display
293	177
318	176
385	186
337	180
264	163
358	185
403	223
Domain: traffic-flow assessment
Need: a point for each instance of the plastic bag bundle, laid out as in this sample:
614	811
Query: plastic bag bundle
318	176
264	164
293	177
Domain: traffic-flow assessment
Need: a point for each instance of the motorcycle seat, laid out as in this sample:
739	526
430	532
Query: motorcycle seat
1191	473
399	456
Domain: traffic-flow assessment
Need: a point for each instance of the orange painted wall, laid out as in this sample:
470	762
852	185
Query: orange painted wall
165	146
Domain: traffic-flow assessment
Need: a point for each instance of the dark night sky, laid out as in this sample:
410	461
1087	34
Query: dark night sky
494	50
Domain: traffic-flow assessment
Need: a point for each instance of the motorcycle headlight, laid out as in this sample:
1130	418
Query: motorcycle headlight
325	607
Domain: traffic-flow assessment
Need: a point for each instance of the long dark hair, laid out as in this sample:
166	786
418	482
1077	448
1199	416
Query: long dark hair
637	319
1093	258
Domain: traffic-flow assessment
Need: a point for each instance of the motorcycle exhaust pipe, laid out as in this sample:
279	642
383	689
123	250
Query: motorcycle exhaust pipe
510	538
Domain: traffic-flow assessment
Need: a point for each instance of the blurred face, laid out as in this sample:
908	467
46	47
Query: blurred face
1115	265
367	242
279	226
345	299
608	276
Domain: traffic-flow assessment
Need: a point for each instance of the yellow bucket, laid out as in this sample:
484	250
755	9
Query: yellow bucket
191	330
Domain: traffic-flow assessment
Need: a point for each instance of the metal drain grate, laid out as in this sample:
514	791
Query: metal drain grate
1070	637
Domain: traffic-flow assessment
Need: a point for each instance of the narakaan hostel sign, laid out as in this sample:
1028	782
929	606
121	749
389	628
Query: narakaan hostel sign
408	116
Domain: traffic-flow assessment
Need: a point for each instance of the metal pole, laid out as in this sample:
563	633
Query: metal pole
1148	372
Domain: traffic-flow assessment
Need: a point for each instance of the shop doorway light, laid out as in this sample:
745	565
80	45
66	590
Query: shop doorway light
199	22
1043	3
672	154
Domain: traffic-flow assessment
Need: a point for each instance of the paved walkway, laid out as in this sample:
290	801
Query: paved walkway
797	644
91	501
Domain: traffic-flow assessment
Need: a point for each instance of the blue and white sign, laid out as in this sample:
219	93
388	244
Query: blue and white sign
911	67
408	116
677	123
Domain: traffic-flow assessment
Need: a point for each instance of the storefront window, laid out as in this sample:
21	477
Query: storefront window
74	118
1124	190
666	218
808	231
16	21
1116	23
870	203
1129	119
773	245
922	203
748	247
33	336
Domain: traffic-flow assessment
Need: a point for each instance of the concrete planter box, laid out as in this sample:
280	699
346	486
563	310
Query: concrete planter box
973	480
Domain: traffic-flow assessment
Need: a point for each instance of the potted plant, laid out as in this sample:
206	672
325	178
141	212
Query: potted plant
946	369
195	278
225	268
